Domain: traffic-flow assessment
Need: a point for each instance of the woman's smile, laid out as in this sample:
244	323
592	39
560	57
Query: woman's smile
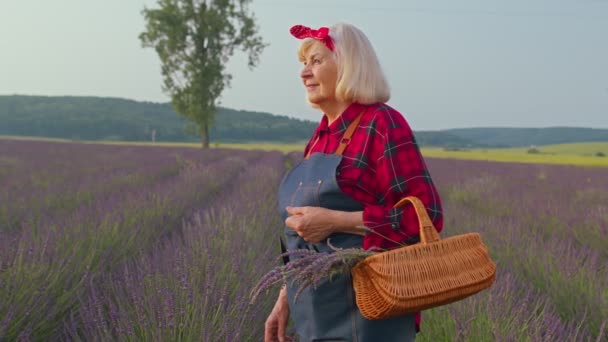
310	87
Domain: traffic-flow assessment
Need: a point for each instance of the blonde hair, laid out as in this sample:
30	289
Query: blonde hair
360	76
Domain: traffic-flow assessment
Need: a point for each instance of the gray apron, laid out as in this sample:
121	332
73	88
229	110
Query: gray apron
329	312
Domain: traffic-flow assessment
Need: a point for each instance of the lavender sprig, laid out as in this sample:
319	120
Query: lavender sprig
310	268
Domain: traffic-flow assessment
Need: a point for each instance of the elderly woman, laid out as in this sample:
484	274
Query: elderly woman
359	162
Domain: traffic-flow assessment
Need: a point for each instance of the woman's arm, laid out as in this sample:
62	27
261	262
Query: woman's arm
347	222
400	171
276	323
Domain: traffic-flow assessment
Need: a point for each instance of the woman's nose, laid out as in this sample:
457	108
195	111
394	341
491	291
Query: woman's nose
305	73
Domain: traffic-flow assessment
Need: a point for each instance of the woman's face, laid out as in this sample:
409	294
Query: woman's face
320	74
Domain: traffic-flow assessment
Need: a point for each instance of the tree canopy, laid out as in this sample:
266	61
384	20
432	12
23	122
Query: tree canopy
194	39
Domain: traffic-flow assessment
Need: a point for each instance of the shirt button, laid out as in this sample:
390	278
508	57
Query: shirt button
394	226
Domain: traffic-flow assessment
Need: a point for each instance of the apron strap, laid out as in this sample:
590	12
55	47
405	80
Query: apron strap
349	133
345	139
311	147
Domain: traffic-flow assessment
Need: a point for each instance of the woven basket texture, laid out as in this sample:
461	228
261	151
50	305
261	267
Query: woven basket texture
431	273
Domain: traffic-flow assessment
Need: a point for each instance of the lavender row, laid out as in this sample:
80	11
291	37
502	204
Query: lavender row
196	287
116	197
54	179
133	266
42	283
564	202
531	228
508	311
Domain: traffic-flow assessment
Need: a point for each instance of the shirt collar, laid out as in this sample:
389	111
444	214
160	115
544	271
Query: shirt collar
341	123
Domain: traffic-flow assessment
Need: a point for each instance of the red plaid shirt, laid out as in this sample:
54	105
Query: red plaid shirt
381	165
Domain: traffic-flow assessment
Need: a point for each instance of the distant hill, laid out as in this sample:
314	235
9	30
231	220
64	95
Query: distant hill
97	118
522	137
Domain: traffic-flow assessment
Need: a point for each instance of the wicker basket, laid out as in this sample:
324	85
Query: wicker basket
421	276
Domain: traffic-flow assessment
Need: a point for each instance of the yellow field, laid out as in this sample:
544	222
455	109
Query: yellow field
245	146
251	146
522	156
265	146
586	149
574	154
18	137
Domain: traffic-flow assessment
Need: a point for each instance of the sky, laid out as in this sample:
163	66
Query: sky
450	64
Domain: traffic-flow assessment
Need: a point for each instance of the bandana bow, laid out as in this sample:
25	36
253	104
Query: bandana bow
322	34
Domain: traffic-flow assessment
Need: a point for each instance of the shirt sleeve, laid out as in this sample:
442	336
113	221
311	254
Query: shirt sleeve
400	172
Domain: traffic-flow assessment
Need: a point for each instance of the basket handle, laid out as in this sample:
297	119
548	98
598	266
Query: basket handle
428	233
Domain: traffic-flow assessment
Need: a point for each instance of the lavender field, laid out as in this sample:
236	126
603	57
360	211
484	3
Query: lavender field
103	242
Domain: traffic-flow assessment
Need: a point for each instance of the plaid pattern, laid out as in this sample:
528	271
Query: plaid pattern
381	165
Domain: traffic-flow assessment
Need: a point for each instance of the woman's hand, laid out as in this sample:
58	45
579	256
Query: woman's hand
313	224
276	323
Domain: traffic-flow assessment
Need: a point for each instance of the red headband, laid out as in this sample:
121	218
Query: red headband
322	34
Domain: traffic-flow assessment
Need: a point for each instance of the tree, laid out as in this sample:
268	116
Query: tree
194	39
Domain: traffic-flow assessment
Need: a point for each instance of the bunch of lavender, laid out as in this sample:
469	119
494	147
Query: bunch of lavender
309	268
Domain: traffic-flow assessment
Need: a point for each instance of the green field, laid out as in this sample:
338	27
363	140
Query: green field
585	154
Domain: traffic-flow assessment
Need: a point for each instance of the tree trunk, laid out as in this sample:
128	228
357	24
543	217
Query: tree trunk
205	135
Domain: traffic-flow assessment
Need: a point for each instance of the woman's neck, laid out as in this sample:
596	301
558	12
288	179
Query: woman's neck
333	110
